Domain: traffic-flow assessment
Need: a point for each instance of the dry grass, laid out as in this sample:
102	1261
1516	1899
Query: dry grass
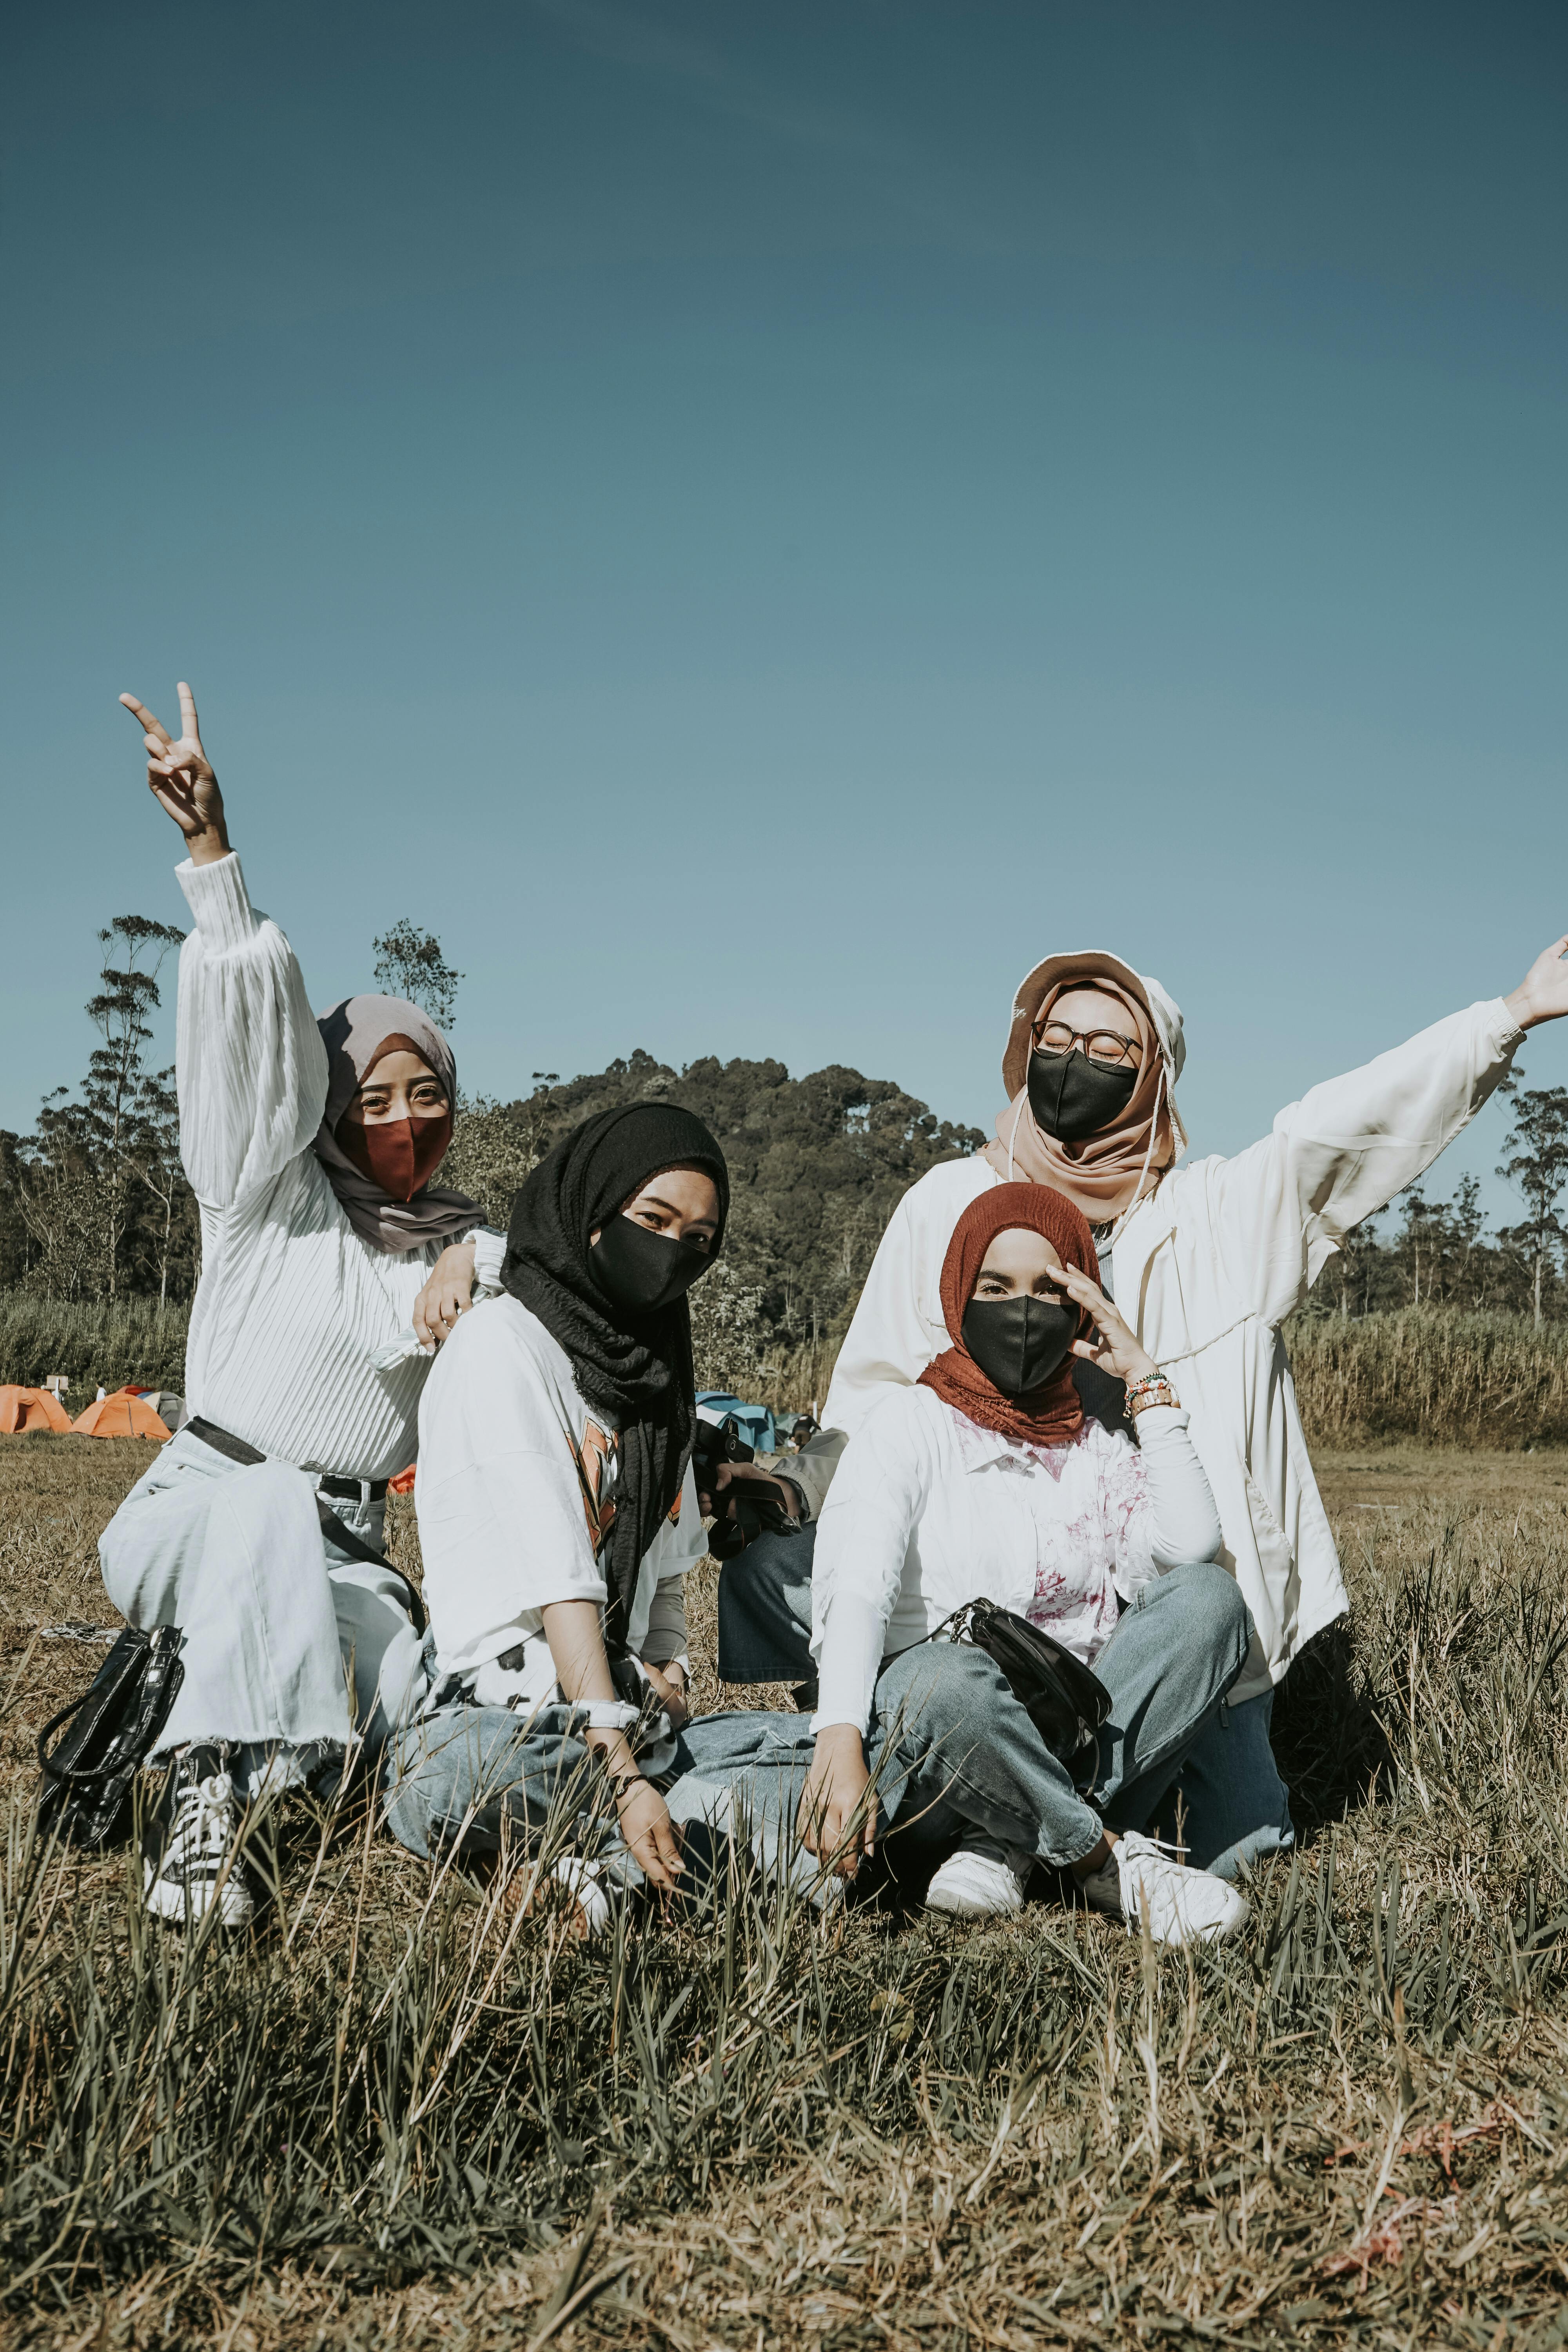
1475	1381
94	1343
1351	2125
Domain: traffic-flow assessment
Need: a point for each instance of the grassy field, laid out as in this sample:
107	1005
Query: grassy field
94	1344
409	2114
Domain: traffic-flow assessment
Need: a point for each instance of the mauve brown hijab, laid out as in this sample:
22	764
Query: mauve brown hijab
1104	1174
356	1032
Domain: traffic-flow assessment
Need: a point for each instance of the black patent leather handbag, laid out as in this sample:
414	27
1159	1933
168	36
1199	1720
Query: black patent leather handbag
89	1773
1065	1702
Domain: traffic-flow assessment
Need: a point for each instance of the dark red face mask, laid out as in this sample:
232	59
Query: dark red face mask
401	1155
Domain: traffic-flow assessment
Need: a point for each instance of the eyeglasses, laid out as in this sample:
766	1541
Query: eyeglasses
1107	1047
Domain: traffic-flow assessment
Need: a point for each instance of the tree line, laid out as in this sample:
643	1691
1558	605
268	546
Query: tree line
94	1205
1425	1252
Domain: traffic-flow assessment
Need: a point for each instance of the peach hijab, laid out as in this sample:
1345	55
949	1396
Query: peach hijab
1106	1174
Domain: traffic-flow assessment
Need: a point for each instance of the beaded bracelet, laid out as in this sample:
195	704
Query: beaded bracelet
1152	1389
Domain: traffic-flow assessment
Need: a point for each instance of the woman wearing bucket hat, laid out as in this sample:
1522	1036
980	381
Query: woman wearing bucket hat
1205	1262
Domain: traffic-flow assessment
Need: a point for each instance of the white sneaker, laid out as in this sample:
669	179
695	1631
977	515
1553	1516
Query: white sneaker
191	1861
1185	1905
984	1880
581	1880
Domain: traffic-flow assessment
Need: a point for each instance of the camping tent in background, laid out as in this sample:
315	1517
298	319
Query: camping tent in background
755	1422
126	1413
23	1409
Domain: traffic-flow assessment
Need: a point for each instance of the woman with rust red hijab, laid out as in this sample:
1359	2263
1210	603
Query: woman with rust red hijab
985	1480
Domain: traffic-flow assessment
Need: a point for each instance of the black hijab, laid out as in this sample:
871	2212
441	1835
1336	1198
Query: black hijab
636	1369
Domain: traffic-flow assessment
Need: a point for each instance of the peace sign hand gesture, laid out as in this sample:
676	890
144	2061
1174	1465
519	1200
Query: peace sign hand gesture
1114	1347
179	776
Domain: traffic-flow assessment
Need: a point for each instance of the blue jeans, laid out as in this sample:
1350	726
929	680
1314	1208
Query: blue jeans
1232	1805
473	1777
953	1750
466	1775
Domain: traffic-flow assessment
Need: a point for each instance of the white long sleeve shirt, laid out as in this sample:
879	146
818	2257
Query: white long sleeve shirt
928	1511
515	1474
1206	1269
292	1304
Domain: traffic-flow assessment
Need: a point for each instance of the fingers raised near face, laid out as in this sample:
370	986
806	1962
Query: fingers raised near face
189	723
1078	1286
151	727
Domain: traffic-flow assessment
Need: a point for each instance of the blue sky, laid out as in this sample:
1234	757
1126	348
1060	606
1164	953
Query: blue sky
756	523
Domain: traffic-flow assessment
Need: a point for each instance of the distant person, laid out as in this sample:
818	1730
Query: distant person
985	1480
1207	1262
558	1516
310	1147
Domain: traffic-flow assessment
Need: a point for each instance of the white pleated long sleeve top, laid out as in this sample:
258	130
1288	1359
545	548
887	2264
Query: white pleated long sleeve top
292	1305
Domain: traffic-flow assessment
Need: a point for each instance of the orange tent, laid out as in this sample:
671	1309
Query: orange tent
31	1409
123	1414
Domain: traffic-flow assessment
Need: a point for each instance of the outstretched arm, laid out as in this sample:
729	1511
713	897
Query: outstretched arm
252	1070
1281	1210
1543	993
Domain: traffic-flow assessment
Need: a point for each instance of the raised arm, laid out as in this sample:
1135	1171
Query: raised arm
251	1069
1281	1210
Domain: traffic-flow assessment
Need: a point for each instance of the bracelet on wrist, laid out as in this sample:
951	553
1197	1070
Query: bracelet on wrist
1152	1390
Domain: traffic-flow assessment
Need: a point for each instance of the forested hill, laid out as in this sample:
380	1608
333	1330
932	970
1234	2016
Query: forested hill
816	1165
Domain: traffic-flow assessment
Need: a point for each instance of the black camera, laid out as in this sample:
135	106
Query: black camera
747	1510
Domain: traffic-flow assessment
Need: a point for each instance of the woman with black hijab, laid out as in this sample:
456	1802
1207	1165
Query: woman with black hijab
557	1511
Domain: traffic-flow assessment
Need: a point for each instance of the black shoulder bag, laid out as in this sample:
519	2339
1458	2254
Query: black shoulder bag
1065	1702
114	1726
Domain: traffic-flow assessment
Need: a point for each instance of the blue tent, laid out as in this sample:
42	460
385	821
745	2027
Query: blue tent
754	1422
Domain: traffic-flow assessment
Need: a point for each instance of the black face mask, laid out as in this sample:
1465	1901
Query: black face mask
641	1271
1072	1097
1019	1342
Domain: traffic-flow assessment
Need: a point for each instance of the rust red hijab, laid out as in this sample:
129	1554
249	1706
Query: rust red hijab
1050	1415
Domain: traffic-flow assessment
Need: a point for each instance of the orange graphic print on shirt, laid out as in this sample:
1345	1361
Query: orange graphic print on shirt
595	1461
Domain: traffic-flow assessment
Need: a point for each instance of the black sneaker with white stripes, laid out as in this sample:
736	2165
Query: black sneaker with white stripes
192	1858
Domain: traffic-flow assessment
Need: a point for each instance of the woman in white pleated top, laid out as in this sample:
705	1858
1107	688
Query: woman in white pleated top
310	1147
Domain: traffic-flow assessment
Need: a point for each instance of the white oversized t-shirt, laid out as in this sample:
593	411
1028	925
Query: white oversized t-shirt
516	1471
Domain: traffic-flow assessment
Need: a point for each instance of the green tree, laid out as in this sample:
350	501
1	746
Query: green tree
173	1234
1538	1167
409	963
77	1191
60	1201
128	993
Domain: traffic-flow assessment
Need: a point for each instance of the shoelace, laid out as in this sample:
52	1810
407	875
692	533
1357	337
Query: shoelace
203	1817
1162	1846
